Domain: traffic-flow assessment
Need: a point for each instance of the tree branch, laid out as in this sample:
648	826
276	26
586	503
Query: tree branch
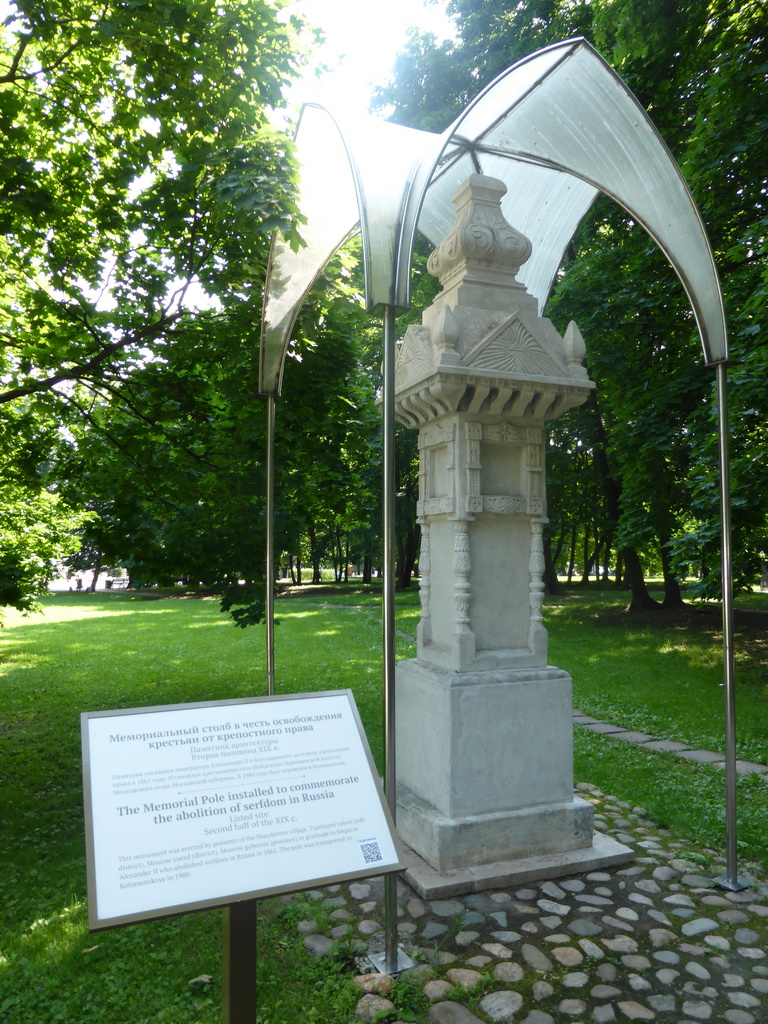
83	370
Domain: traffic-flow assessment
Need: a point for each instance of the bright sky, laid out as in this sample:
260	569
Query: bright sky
363	38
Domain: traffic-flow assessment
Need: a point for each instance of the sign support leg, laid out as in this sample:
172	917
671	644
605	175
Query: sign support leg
239	963
392	960
731	878
388	408
270	559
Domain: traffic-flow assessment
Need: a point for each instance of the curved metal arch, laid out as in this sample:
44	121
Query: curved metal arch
368	179
583	120
557	127
329	207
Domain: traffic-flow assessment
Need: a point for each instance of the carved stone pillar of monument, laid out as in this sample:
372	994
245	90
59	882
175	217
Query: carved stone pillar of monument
484	724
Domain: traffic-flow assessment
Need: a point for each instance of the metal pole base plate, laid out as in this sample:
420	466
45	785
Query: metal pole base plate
732	884
382	964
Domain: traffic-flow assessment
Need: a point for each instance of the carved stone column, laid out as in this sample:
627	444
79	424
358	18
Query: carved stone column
484	724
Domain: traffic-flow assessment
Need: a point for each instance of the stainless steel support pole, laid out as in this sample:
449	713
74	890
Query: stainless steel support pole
270	560
730	880
390	783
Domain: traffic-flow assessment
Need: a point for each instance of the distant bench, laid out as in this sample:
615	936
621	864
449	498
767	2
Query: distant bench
117	583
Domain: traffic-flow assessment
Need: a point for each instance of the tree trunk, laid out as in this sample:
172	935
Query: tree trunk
620	583
342	575
367	569
551	582
612	490
408	550
314	554
599	539
673	597
641	600
557	553
607	558
572	556
588	561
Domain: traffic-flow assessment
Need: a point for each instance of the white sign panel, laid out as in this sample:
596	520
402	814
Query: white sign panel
197	805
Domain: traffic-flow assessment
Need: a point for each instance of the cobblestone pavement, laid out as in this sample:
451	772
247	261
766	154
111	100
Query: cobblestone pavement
655	940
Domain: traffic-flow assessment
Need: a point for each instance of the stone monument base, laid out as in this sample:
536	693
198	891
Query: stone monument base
485	779
450	844
431	884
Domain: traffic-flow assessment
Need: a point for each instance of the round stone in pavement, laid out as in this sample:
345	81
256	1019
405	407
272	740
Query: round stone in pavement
700	1010
472	919
509	972
452	1013
604	1014
447	908
635	1011
584	927
746	937
464	976
318	945
604	991
732	916
371	1006
568	956
699	925
744	1000
501	1006
437	988
572	1007
536	959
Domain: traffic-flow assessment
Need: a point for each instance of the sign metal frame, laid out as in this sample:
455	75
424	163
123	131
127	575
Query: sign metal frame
341	731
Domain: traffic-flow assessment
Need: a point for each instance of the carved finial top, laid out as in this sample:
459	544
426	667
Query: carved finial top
575	350
480	236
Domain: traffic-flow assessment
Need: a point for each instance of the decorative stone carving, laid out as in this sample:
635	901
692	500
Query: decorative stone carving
575	350
480	237
512	348
415	357
424	628
536	570
484	728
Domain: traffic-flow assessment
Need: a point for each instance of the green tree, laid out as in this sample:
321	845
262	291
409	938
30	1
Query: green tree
141	179
37	525
699	69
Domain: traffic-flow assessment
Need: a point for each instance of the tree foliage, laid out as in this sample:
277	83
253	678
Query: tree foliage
699	69
141	180
139	171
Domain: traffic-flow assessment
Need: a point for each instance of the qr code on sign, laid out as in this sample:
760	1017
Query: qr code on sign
371	851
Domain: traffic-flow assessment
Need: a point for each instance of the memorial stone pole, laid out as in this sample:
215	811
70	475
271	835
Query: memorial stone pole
484	724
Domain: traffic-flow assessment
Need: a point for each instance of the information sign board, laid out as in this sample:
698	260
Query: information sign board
199	805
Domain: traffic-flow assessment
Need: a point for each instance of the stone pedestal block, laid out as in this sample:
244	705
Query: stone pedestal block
485	765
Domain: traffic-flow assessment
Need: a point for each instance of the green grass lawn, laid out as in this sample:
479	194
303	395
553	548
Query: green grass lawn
109	651
662	674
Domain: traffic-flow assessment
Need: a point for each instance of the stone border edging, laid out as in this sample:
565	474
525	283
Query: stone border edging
642	739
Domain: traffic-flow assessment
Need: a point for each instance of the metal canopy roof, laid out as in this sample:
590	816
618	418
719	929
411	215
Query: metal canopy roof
557	127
